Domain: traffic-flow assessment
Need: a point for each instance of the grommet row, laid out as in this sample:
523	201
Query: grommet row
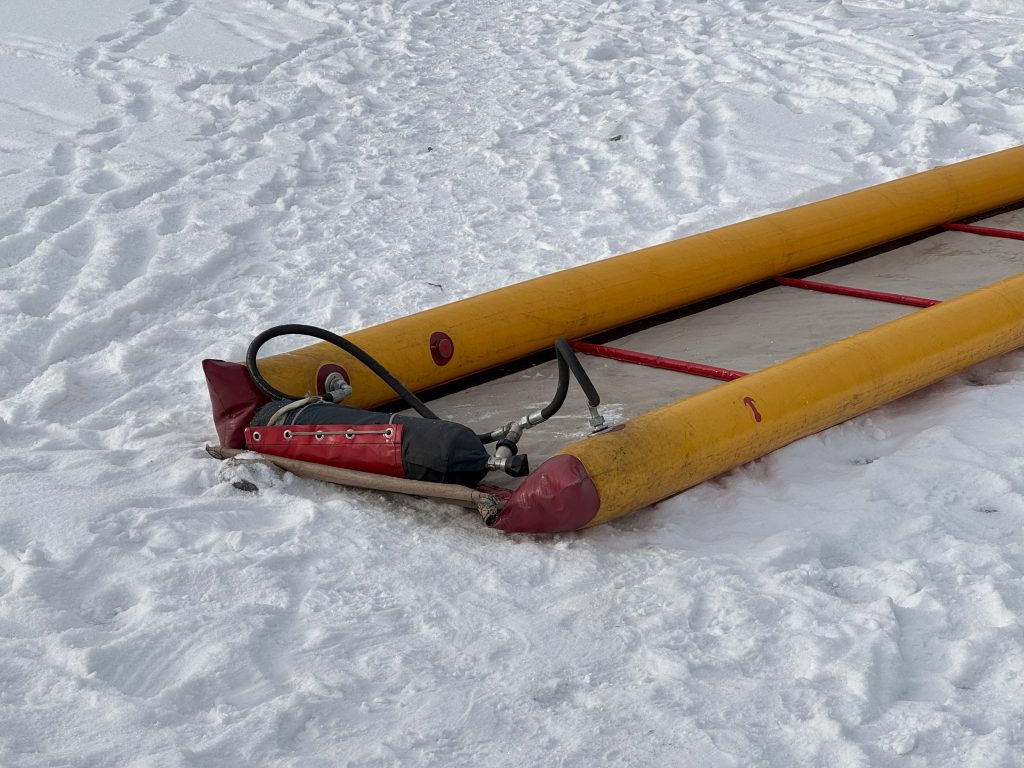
350	434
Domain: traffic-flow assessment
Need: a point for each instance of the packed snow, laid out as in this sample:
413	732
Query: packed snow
177	175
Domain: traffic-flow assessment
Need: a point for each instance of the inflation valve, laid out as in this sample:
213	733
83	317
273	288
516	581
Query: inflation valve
336	388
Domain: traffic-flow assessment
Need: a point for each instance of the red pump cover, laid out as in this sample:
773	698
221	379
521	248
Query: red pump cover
375	448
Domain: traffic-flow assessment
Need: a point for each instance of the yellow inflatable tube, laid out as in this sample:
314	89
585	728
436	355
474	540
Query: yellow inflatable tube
455	340
675	447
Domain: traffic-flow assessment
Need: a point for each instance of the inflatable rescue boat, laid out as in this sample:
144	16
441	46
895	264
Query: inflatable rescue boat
668	365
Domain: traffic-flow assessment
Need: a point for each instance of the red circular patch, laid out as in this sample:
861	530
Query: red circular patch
442	348
326	370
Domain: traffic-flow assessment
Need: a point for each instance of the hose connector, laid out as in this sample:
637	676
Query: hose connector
336	388
506	456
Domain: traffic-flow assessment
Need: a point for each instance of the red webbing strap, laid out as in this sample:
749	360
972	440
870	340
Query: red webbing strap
987	231
656	361
860	293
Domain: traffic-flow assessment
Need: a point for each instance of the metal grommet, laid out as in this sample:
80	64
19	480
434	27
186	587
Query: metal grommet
350	434
287	434
389	432
255	437
319	436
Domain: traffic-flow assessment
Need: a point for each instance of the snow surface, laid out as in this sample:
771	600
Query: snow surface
177	175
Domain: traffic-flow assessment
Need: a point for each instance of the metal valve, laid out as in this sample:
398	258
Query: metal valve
336	388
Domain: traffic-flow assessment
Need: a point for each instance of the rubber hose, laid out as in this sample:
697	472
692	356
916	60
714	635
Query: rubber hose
569	355
342	343
561	390
568	362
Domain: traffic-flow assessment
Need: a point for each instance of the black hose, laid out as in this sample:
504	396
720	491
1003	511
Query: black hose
565	355
342	343
568	363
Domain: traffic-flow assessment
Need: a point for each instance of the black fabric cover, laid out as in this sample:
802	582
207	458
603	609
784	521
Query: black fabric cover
432	449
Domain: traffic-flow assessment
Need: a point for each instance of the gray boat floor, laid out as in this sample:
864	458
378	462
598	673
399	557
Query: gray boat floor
746	334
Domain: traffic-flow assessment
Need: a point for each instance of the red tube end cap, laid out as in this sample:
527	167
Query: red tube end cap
558	496
234	399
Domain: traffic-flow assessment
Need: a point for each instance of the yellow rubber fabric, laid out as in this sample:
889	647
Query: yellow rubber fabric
677	446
